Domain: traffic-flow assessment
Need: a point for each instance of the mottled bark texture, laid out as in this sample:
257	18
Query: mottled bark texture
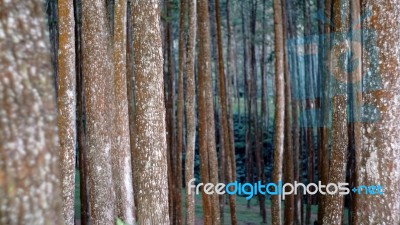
179	132
29	145
380	154
279	110
334	204
190	109
208	155
97	72
150	150
121	150
67	105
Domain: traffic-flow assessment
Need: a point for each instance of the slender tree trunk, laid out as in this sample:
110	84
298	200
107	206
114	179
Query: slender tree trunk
334	204
150	152
231	156
67	105
179	144
96	70
224	117
247	103
288	152
209	164
190	110
81	136
203	72
170	105
309	105
379	158
279	110
326	107
29	150
121	150
356	100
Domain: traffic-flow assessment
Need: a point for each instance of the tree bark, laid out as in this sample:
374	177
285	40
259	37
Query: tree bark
209	165
121	150
334	204
190	110
279	110
170	117
288	151
379	158
97	72
150	150
179	143
230	155
67	105
29	149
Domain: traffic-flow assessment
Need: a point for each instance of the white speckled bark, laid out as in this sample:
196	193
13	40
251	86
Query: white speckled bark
98	76
150	150
29	153
380	154
67	105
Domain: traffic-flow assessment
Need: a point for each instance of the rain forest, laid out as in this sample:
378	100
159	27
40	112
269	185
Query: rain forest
191	112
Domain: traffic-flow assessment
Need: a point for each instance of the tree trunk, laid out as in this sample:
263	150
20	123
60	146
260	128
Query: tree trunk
97	72
279	110
334	204
288	152
309	97
80	105
150	151
190	110
121	150
356	102
29	150
170	117
179	144
379	158
67	105
230	153
209	165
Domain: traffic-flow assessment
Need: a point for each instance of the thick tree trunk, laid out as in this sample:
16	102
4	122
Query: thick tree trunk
67	105
150	151
29	150
121	150
379	158
97	72
190	110
279	110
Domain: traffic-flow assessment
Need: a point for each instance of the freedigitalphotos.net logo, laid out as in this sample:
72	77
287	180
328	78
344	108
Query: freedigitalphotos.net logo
283	189
336	49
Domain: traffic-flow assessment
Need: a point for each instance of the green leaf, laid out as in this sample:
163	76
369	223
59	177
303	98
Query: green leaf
120	222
